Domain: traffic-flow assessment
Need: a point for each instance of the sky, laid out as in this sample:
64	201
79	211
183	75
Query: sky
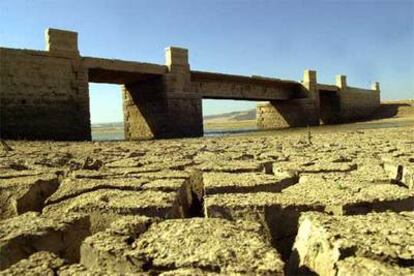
365	40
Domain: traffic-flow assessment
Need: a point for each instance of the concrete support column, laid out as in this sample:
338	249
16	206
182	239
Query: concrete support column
62	45
184	110
376	91
145	110
293	112
310	82
80	95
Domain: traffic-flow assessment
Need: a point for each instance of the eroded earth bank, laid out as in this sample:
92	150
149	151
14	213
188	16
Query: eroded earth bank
286	204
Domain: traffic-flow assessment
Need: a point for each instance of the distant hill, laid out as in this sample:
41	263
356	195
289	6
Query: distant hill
233	116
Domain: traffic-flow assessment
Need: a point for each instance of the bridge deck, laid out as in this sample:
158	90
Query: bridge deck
327	87
224	86
120	71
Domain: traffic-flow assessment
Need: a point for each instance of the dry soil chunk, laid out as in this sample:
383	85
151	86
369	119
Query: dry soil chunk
107	205
218	183
121	202
235	166
31	232
22	194
320	167
364	266
321	195
349	197
280	211
39	264
370	170
214	245
70	188
81	270
323	240
7	173
195	246
191	177
92	174
190	272
151	164
107	250
164	174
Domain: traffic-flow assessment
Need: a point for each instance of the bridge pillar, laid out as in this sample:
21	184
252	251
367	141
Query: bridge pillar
184	110
44	94
145	111
297	112
164	106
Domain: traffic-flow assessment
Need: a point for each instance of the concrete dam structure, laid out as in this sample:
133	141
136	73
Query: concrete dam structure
44	94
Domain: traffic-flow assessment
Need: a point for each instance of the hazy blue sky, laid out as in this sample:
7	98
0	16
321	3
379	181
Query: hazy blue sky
366	40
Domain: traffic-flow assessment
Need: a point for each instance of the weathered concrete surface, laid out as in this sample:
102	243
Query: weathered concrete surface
209	245
222	86
356	103
328	104
44	94
31	232
323	241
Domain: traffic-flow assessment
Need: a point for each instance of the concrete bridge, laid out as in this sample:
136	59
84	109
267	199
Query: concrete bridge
44	94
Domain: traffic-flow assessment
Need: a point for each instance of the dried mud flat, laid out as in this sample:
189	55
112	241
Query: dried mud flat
325	204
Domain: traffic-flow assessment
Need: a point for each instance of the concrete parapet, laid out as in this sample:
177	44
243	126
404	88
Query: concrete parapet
341	81
309	76
376	86
61	41
175	56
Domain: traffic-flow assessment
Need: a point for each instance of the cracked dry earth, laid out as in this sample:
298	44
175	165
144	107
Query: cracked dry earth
337	204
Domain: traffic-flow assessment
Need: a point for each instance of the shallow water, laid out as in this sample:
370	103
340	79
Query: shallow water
99	136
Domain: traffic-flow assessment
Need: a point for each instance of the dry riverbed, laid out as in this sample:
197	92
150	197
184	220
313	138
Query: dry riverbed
337	201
